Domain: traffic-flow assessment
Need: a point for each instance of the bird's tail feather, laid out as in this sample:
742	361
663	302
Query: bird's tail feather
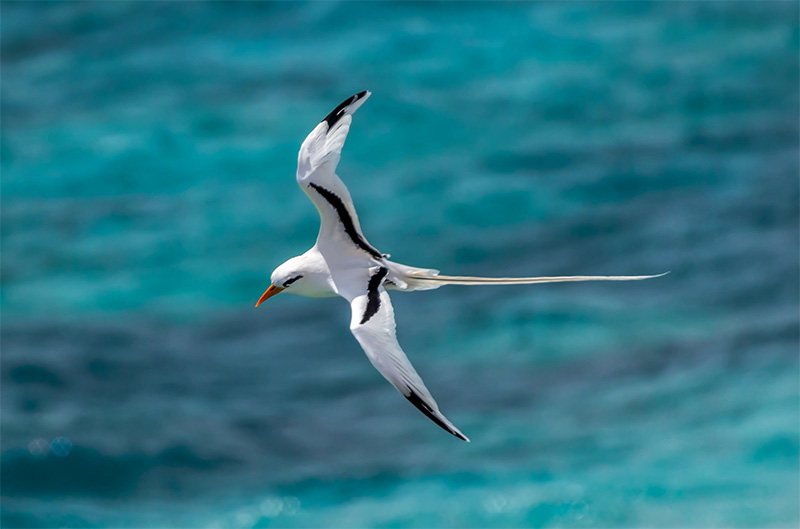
467	280
411	278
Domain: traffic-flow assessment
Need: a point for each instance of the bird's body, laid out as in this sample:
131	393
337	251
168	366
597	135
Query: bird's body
344	263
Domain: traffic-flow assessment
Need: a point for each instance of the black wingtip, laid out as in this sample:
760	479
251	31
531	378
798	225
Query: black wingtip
337	113
420	404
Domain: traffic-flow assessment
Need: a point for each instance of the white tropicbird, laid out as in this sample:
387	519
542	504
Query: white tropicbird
343	263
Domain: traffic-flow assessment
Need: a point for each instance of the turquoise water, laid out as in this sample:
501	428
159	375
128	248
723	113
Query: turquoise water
148	157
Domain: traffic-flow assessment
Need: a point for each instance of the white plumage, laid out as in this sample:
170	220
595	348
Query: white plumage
344	263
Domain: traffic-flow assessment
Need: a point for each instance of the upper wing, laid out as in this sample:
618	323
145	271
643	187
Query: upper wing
373	325
316	174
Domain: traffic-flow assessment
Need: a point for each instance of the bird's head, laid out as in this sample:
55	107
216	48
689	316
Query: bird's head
286	276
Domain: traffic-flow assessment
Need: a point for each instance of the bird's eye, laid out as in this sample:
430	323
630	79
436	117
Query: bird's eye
290	281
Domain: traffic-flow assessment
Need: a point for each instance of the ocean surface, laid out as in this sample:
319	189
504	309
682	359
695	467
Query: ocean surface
148	155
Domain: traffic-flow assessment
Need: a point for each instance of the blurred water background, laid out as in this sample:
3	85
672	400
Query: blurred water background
148	158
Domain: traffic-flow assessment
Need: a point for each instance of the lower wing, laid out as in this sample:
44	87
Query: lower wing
373	326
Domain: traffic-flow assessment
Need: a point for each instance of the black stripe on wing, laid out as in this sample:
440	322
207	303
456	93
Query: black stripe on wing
422	406
347	221
373	294
337	113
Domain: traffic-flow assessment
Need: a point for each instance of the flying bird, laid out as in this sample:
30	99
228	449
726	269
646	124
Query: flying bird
343	263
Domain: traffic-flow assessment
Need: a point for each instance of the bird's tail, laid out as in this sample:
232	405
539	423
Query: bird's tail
467	280
427	279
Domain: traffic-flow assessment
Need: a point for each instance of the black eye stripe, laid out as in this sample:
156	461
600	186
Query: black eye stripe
292	280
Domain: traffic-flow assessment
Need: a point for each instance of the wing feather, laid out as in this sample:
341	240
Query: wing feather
378	338
316	174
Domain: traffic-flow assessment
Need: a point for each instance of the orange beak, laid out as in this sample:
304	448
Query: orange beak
271	291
